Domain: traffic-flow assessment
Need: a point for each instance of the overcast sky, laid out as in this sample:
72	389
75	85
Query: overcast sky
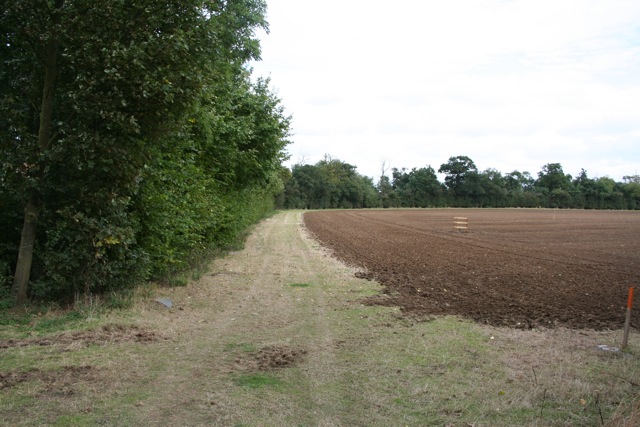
513	84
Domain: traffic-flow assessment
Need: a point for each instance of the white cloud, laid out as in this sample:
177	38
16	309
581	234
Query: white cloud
512	84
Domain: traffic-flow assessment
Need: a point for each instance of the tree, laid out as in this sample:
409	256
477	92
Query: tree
520	189
460	177
400	184
555	185
552	177
418	187
494	186
88	87
457	169
330	183
631	191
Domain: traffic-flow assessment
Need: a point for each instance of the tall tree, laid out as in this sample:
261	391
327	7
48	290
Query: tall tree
552	177
494	185
631	190
555	185
386	193
417	187
460	176
330	183
87	87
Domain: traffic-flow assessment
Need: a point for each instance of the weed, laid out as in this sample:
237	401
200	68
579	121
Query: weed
14	317
178	280
57	323
120	300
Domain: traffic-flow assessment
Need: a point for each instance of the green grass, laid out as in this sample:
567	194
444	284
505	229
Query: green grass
18	323
57	323
258	380
299	285
78	420
243	346
13	317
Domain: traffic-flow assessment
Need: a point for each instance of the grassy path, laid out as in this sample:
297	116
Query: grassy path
277	335
269	342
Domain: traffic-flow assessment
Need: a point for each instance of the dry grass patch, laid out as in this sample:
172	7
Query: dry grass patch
563	374
70	378
106	334
58	382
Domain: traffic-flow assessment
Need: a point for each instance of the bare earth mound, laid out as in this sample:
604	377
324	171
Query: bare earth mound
513	267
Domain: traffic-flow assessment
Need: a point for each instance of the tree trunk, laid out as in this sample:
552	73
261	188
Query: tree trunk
25	254
32	209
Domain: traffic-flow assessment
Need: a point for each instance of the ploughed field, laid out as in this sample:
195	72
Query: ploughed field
513	267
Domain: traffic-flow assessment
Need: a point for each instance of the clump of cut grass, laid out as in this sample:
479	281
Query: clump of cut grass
299	285
257	380
76	420
243	346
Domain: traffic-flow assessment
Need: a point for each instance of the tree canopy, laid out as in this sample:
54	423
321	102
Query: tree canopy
131	135
463	186
330	183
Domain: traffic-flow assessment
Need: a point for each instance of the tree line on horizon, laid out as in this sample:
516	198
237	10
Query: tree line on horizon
133	141
333	184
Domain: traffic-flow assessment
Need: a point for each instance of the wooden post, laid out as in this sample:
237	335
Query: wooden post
627	322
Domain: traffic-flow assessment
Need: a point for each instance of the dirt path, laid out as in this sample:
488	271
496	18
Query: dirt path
259	311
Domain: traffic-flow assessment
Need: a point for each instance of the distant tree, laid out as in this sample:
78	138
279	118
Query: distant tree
525	180
552	177
555	185
370	194
461	179
330	183
386	193
307	188
285	176
582	187
631	191
520	189
457	169
417	187
610	197
494	186
335	184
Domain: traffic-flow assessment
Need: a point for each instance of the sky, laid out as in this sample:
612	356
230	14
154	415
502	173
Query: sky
512	84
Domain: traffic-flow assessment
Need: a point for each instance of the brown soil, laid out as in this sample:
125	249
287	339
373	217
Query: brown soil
107	334
59	382
269	358
62	382
513	267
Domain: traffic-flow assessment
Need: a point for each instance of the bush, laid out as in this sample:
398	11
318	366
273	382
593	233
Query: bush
86	253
